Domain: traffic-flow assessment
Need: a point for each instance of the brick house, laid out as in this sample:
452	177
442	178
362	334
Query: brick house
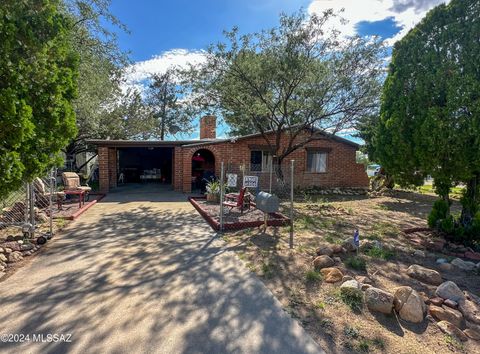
328	162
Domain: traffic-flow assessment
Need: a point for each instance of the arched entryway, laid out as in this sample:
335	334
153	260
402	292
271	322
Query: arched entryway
203	168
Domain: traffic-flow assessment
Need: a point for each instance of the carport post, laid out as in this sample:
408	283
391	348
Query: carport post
222	176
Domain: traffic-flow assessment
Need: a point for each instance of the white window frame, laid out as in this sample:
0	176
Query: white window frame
267	159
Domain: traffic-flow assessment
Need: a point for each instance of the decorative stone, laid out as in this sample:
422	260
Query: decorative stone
441	260
472	334
409	304
331	275
445	267
324	250
2	250
337	259
348	245
474	256
450	329
450	303
449	290
425	275
3	258
15	256
346	278
470	310
445	313
350	284
437	301
419	253
364	280
379	300
465	265
13	245
8	250
337	249
323	262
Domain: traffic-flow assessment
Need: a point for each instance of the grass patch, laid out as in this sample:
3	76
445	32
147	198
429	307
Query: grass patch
351	297
377	252
313	276
267	269
356	262
351	332
320	305
452	341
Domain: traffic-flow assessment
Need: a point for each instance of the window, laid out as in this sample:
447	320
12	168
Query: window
316	161
260	160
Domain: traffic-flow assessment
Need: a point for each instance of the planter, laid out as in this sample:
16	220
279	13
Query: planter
213	198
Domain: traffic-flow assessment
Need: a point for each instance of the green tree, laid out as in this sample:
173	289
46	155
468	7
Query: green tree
298	77
164	95
430	112
38	69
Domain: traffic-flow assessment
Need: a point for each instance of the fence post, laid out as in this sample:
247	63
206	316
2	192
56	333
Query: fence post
271	175
32	209
291	203
222	176
50	206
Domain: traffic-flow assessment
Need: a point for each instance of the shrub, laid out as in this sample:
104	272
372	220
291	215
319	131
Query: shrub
439	212
352	297
313	276
378	252
357	263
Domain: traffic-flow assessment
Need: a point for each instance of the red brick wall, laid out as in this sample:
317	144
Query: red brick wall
112	167
177	169
103	169
208	127
342	169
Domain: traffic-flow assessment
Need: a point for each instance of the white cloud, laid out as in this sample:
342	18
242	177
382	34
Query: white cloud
406	13
136	74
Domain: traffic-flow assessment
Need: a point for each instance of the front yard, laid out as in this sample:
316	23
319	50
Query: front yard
344	324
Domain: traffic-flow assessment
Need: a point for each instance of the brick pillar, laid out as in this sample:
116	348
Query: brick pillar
103	169
208	127
112	167
187	170
177	169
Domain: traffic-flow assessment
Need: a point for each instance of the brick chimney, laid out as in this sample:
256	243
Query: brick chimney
208	127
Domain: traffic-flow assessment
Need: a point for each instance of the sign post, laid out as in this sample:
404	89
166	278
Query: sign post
291	202
222	177
250	181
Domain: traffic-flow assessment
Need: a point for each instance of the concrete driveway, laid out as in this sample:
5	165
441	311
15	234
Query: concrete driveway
144	273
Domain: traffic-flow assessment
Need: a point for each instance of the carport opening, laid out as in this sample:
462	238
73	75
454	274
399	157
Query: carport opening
203	169
145	165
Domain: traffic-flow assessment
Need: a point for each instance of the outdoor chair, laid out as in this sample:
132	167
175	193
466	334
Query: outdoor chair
42	195
71	181
238	200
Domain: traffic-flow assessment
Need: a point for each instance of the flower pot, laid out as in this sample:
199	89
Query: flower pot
213	198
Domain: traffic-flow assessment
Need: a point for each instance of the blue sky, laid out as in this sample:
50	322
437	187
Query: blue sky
165	32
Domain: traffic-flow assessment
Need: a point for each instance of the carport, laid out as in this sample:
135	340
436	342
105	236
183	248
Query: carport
134	163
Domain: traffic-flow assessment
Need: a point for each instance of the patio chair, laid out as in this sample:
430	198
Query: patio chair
71	181
42	196
237	200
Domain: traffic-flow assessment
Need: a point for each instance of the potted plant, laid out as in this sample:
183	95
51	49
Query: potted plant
213	191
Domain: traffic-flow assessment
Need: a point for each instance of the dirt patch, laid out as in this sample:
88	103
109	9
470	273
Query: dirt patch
318	305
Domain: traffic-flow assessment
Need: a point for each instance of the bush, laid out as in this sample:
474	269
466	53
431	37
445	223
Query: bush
352	297
439	212
356	263
377	252
313	276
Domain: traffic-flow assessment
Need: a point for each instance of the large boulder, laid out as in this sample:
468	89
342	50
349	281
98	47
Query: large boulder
323	262
331	275
450	329
465	265
425	275
379	300
409	304
349	245
448	314
450	290
3	258
13	245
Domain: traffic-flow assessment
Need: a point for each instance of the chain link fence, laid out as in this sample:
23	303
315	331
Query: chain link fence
29	211
257	192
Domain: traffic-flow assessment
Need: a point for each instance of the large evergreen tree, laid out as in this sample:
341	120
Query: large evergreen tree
430	112
38	71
